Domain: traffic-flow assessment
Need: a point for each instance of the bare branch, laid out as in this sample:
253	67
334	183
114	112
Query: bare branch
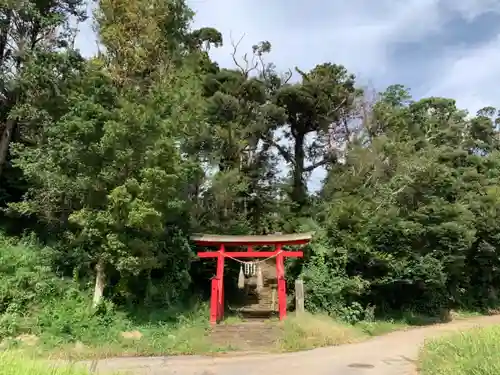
235	49
287	76
249	65
283	152
331	158
263	65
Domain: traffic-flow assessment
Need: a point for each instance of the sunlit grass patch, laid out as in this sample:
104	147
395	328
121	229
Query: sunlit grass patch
307	331
473	352
12	363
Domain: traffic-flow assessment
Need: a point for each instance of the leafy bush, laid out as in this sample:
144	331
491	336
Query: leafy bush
26	276
329	289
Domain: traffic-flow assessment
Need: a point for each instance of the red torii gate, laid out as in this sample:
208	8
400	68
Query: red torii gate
278	241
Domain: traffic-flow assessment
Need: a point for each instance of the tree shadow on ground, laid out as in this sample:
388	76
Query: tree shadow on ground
413	318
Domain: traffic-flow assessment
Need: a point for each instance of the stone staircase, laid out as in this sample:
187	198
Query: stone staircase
250	335
263	305
255	332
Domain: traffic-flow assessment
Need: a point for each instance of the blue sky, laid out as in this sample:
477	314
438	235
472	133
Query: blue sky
445	48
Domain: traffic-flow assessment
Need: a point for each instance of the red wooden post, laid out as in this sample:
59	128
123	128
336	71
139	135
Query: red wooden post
214	301
280	275
220	277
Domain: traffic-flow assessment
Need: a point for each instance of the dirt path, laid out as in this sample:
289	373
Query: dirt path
392	354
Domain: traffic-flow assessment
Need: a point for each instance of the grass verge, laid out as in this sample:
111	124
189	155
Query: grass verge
474	352
307	331
13	364
189	335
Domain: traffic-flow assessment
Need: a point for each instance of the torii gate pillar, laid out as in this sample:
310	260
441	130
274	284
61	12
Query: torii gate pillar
222	242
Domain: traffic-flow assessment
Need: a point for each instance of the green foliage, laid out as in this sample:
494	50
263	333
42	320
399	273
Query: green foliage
119	194
328	286
36	301
29	286
411	215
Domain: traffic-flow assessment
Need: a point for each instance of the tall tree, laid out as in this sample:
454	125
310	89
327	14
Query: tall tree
319	107
240	114
111	166
27	28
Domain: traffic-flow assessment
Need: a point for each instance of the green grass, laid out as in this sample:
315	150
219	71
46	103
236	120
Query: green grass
307	331
13	364
381	327
474	352
121	336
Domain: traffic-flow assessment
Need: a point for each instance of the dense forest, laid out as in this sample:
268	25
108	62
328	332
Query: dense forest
111	163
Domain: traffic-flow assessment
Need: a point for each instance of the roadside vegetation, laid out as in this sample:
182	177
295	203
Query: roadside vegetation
12	363
50	316
473	352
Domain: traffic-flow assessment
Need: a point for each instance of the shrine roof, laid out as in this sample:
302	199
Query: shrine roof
267	239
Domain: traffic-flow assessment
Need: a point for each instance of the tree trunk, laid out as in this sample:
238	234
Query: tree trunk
5	142
299	191
149	287
100	283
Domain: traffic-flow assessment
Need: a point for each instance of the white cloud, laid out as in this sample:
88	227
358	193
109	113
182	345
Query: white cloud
361	35
357	34
471	77
471	9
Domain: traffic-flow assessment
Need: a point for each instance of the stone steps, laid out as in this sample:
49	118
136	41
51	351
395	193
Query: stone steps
256	332
267	304
263	305
249	335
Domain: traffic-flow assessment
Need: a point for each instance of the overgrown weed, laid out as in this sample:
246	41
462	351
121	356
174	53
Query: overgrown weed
473	352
